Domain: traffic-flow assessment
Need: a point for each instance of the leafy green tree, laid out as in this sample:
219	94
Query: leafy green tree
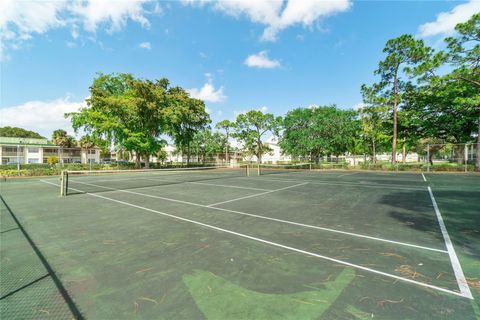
449	100
373	121
206	143
402	55
134	114
162	156
227	126
441	110
18	133
251	129
187	118
62	139
464	55
319	131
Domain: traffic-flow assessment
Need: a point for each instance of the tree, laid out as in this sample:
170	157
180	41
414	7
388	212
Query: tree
251	128
403	54
86	142
187	118
227	126
62	139
442	110
18	133
206	143
373	120
134	113
464	54
319	131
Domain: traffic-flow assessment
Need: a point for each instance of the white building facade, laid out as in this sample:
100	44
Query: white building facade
35	151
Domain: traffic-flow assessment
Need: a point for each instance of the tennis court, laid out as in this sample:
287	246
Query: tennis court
290	243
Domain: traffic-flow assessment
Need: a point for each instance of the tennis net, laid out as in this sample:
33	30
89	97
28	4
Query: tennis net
93	181
265	169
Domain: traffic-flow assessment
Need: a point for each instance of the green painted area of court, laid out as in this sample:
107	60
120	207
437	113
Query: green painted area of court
286	245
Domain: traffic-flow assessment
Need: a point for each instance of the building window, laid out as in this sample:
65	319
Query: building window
50	151
5	161
91	151
10	151
33	150
33	160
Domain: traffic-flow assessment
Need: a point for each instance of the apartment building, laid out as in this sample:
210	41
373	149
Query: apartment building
30	150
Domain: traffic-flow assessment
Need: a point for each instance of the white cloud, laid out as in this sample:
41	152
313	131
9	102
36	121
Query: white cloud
41	116
261	60
145	45
21	20
208	93
278	15
445	23
115	14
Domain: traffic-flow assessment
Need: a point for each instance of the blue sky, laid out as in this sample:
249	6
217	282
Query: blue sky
237	56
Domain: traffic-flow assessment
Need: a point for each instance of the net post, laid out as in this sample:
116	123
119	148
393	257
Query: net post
310	166
258	169
247	168
62	183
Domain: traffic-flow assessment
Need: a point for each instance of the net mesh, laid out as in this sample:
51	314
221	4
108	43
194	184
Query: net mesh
265	169
92	181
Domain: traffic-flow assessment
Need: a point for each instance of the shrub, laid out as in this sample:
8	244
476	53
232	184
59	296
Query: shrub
52	160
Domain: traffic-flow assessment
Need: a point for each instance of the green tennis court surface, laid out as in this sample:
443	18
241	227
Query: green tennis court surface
286	245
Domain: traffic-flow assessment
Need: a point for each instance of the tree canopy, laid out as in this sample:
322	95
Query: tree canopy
18	133
318	131
251	129
135	114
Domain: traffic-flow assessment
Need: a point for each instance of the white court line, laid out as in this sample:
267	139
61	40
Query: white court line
228	186
347	174
457	267
256	195
423	176
271	219
348	184
356	266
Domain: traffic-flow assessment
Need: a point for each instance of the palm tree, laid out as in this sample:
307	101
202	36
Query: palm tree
62	139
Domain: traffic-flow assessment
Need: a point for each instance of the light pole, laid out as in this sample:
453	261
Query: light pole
20	142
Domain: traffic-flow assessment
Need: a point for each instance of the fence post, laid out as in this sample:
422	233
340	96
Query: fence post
465	151
428	157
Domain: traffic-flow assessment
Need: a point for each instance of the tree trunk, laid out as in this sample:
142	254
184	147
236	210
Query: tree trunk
459	152
394	140
477	162
147	161
226	152
137	160
374	152
259	151
404	152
